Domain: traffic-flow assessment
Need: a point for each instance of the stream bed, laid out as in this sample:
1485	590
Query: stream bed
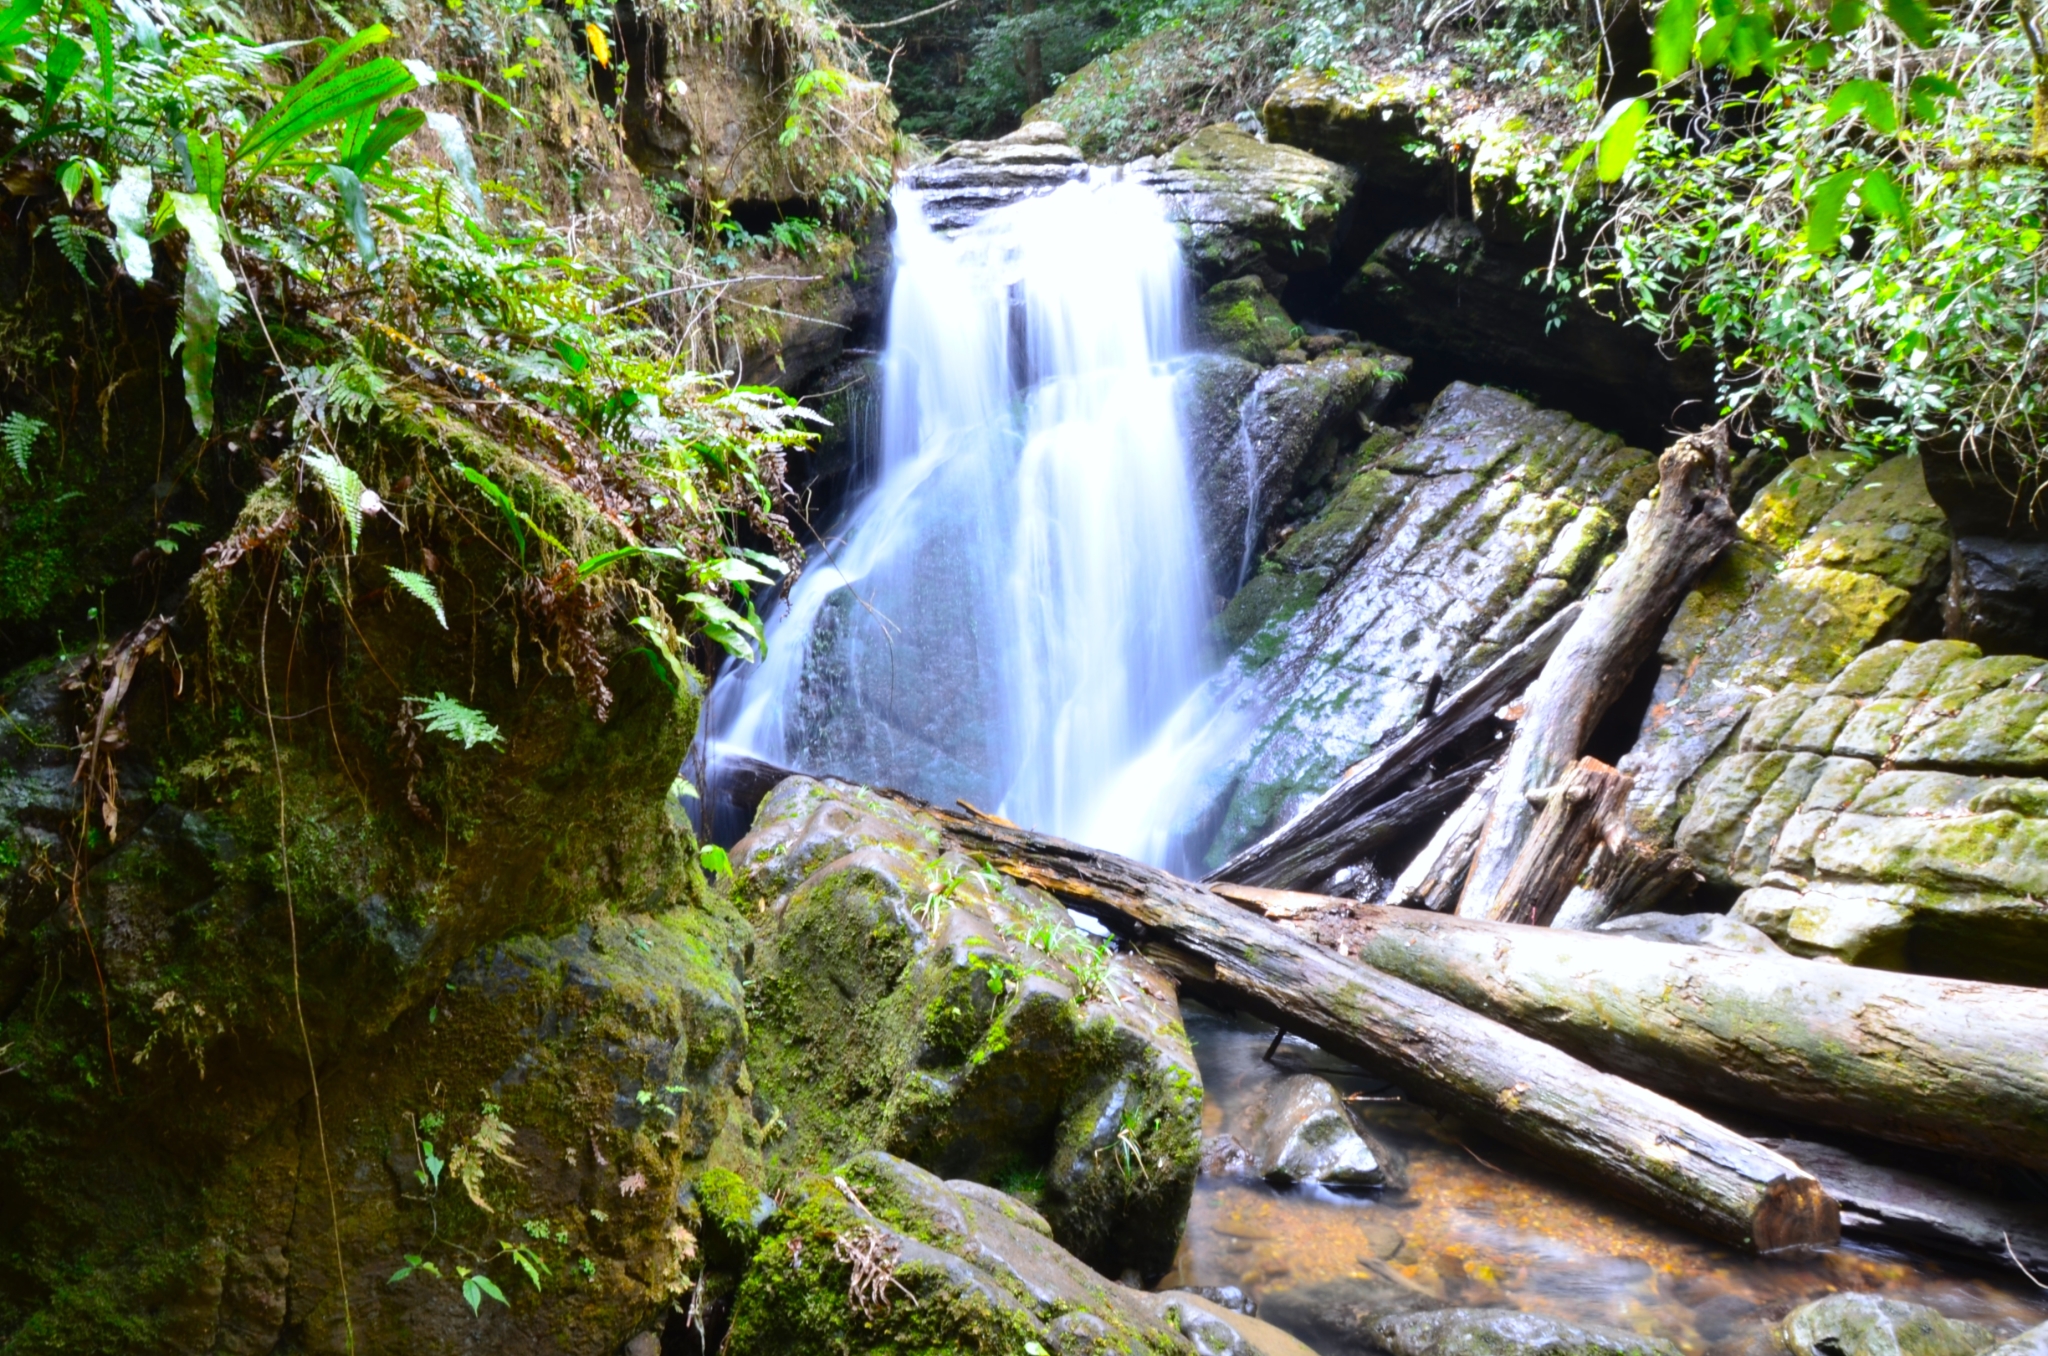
1481	1227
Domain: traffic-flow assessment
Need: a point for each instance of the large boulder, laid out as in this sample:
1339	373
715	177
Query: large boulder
906	998
1301	1132
881	1256
1239	316
1245	206
1997	594
1857	1324
972	178
1439	550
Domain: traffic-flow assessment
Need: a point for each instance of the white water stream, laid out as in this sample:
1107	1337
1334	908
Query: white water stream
1016	606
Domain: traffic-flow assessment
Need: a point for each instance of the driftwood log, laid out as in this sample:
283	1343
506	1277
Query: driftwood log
1581	813
1435	875
1940	1063
1304	852
1604	1130
1670	540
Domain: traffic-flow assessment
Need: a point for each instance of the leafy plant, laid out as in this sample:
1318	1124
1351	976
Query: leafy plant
422	588
21	432
443	715
476	1287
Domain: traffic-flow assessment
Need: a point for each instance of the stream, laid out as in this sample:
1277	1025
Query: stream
1496	1230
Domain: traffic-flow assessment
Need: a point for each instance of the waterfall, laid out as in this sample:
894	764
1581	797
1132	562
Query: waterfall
1015	606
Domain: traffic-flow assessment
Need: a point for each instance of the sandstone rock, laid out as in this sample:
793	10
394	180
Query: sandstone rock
910	1000
1502	1332
1244	205
1300	1131
1371	129
951	1269
1695	929
1293	422
972	178
1438	551
1855	1324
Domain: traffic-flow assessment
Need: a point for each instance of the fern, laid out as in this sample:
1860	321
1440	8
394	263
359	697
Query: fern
21	432
344	487
443	715
71	241
422	588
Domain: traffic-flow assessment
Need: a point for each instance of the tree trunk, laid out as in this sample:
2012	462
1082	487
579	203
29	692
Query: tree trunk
1604	1130
1628	875
1941	1063
1579	814
1673	538
1290	856
1433	879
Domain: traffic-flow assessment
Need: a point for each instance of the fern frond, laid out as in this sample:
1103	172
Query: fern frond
343	486
443	715
21	432
422	588
71	240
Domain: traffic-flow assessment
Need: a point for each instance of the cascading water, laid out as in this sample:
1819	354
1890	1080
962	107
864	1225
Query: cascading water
1012	610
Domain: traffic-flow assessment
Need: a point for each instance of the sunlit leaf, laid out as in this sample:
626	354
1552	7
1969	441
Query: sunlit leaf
1873	97
1824	211
128	209
1925	94
422	588
1914	19
1671	41
1618	133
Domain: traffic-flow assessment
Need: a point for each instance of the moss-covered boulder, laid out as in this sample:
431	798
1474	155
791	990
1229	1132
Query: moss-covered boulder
1243	205
1240	317
1855	1324
880	1256
904	997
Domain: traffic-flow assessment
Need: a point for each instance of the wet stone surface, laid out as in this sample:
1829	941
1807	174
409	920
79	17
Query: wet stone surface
1479	1228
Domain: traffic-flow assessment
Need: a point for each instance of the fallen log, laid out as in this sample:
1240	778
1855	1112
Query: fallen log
1435	875
1292	855
1599	1128
1679	534
1579	815
1916	1059
1628	875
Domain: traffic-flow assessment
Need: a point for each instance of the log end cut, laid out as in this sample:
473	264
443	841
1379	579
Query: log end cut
1797	1211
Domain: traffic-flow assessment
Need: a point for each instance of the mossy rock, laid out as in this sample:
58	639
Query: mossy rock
907	998
1239	316
879	1256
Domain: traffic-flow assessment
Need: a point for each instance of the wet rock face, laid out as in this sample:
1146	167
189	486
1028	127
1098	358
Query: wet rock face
1497	1332
1997	594
1291	423
1854	1324
1301	1132
908	998
884	1256
1718	931
1239	316
1435	552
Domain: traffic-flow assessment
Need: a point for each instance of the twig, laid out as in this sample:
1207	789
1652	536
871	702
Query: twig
716	282
2021	1265
905	18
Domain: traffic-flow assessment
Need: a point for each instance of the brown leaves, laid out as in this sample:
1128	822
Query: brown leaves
633	1185
492	1138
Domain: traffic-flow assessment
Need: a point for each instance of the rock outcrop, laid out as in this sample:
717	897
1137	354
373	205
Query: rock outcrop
907	999
883	1256
972	178
1247	206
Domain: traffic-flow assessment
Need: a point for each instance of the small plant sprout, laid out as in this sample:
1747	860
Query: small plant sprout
527	1260
476	1287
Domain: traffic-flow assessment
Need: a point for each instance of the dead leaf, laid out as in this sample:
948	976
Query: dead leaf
634	1185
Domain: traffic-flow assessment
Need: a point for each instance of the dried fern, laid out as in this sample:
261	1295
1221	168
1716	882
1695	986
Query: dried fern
443	715
422	588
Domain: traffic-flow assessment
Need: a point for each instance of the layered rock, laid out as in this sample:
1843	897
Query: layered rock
1244	205
972	178
909	1000
883	1256
1440	550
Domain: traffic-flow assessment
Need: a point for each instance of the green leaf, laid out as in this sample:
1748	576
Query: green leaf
422	588
1846	16
331	65
1824	211
209	168
128	209
343	486
355	210
488	1286
327	95
738	636
441	714
1618	133
1914	19
202	228
455	145
103	43
1873	97
605	558
366	152
714	859
21	433
1881	195
66	56
1923	96
14	23
198	338
1672	39
506	508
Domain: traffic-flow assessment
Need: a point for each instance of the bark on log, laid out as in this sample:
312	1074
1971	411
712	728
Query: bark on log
1683	530
1581	813
1916	1059
1434	877
1604	1130
1632	875
1316	864
1286	858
